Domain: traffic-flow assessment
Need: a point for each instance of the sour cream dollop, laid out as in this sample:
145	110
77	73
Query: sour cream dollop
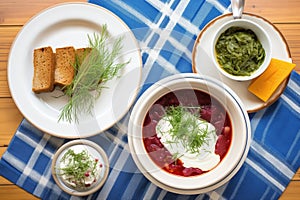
205	158
80	173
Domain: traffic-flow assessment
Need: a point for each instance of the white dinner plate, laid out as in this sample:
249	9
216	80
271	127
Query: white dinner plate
203	64
63	25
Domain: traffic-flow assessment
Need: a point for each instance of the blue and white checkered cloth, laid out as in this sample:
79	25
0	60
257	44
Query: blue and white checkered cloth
274	155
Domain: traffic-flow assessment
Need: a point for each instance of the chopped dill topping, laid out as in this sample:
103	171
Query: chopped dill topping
78	166
185	128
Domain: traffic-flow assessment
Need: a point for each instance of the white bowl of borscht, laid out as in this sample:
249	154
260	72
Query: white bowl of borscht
189	134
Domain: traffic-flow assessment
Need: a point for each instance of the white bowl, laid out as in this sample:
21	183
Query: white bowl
262	36
241	135
93	150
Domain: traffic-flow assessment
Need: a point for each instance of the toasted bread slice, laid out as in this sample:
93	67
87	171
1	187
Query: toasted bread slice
64	69
44	65
81	54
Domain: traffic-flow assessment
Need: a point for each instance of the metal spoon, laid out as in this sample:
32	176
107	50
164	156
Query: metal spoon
237	8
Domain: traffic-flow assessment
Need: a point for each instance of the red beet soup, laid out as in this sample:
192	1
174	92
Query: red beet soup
210	110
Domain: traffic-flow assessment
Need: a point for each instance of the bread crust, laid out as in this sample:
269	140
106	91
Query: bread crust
44	65
64	68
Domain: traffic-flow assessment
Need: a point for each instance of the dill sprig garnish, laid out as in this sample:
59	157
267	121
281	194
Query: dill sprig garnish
78	166
185	127
95	70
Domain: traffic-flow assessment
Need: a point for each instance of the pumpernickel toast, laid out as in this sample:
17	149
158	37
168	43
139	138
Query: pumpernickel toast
64	68
43	73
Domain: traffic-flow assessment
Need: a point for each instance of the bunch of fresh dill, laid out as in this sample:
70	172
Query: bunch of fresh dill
96	69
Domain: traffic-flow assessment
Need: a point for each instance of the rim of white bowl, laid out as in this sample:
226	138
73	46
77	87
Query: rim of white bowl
173	182
260	32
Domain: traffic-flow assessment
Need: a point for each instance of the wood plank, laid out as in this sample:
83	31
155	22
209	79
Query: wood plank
291	34
7	36
292	191
277	11
10	118
2	150
14	192
297	176
19	12
4	181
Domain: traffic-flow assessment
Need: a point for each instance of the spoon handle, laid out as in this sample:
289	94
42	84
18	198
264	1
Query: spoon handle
237	8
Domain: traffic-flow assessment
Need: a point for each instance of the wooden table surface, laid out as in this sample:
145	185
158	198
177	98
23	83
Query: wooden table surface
14	14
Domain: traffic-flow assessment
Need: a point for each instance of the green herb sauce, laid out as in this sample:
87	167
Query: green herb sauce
239	52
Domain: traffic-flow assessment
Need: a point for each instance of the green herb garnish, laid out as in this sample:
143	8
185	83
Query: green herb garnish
78	166
239	51
185	128
96	69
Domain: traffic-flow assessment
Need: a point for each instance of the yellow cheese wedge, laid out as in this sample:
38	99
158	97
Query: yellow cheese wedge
266	84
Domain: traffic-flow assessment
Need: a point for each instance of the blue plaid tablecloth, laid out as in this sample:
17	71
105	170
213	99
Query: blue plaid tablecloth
274	155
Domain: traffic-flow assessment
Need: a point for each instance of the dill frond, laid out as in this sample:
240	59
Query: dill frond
95	70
